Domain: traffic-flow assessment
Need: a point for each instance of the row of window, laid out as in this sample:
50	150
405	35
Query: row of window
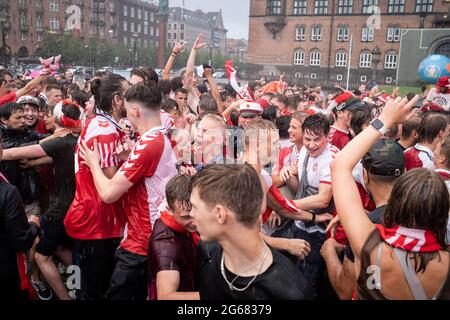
365	59
275	7
137	12
169	26
169	36
339	77
138	28
144	42
23	36
343	34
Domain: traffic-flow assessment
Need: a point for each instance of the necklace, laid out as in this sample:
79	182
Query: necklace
230	284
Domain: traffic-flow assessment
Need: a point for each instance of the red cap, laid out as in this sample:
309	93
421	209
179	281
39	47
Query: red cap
444	82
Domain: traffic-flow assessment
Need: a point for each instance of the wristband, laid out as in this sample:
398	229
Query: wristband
313	217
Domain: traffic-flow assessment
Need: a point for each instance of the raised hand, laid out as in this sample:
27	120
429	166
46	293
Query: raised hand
178	47
199	42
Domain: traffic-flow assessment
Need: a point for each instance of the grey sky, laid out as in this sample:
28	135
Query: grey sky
235	13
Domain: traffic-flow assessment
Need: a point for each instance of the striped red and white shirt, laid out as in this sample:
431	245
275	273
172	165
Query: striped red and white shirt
150	165
419	157
89	218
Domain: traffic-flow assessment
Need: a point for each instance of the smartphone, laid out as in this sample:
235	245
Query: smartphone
200	70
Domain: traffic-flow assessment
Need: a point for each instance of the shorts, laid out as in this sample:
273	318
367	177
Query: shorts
53	235
32	209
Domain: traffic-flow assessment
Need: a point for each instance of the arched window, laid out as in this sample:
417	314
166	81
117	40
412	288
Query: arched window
390	60
343	33
316	33
300	33
365	59
299	57
341	58
314	57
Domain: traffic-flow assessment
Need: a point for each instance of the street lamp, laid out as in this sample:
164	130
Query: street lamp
376	58
135	36
90	54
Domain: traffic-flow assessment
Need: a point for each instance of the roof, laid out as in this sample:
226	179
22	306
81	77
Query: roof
210	20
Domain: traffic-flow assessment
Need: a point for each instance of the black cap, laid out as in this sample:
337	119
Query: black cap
351	104
385	158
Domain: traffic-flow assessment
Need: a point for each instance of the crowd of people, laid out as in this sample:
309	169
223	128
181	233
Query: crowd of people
184	189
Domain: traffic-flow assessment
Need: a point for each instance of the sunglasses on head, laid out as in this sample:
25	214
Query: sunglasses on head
249	115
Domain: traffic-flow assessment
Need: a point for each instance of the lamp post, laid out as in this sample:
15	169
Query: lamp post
90	54
135	36
376	58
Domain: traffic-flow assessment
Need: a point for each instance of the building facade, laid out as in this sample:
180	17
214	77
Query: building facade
186	25
310	39
137	21
237	49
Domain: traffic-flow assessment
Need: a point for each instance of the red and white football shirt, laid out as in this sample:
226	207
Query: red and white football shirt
445	176
419	157
149	167
338	138
287	156
89	218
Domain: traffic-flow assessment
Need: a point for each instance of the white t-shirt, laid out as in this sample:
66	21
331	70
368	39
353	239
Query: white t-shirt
318	170
441	99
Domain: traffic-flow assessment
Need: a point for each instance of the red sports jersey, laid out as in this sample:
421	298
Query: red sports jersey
149	167
287	156
338	138
419	157
89	218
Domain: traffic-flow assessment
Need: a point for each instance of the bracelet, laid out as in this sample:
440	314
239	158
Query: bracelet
173	52
313	217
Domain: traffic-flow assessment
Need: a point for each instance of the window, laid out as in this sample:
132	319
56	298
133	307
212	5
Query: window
365	59
139	13
139	30
38	22
298	75
39	37
320	7
152	17
390	61
145	27
343	33
182	26
125	26
363	78
424	6
299	7
182	36
132	12
339	77
389	80
151	31
299	57
367	34
169	27
145	15
314	58
125	11
174	36
313	76
300	33
345	7
341	58
23	36
54	24
393	34
174	26
54	6
368	6
316	34
396	6
132	27
169	36
274	7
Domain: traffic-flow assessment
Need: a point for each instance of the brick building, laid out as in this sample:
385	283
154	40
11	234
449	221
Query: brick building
186	25
310	39
25	22
237	49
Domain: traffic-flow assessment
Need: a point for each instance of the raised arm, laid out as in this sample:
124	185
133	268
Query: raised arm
345	192
198	44
31	85
177	48
214	89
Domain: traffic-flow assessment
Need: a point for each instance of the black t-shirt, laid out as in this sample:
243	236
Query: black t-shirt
281	281
376	216
62	150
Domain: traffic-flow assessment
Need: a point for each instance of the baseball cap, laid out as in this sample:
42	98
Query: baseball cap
347	101
29	100
250	108
385	158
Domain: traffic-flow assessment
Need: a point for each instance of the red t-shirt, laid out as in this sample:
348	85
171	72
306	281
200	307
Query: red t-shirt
338	138
149	167
9	97
89	218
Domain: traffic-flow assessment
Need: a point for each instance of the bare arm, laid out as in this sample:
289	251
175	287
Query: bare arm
198	44
214	89
39	162
31	85
167	283
318	201
178	47
345	192
33	151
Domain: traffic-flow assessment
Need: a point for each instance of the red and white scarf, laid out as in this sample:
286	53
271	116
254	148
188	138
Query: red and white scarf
411	240
170	221
243	92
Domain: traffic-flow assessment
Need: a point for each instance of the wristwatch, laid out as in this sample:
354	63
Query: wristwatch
379	125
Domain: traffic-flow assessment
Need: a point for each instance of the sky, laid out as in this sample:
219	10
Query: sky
234	12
